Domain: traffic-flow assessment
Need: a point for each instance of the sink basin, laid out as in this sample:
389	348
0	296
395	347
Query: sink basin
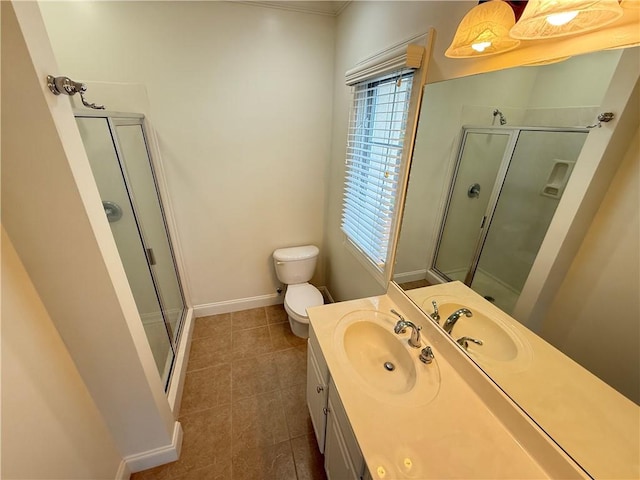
378	357
499	343
382	362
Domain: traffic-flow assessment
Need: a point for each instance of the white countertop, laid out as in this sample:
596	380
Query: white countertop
595	423
452	435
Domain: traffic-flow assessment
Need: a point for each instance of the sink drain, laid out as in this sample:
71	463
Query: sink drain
389	366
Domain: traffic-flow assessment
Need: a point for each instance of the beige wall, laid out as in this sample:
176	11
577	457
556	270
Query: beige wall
43	392
240	98
597	308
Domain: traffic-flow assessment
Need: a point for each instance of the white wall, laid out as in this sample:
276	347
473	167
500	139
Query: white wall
597	308
51	427
240	100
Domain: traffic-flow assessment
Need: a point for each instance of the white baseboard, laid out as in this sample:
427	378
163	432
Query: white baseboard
501	283
176	386
410	276
157	456
433	278
123	472
237	305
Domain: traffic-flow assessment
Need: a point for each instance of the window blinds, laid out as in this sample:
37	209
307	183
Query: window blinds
373	163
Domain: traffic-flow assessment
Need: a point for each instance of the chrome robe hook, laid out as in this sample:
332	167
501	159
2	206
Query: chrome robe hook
603	117
65	85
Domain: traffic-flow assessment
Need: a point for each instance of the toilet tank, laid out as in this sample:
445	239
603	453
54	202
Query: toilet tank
295	264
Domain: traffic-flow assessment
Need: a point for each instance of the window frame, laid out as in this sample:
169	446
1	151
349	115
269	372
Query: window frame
382	272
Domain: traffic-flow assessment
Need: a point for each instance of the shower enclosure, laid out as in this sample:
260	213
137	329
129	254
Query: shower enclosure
117	147
505	189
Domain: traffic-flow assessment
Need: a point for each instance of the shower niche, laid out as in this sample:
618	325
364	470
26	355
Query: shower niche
120	158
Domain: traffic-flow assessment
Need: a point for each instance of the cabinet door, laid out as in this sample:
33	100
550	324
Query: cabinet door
337	461
341	420
317	388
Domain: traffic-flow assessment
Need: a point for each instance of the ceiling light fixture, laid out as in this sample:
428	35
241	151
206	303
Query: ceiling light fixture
484	31
543	19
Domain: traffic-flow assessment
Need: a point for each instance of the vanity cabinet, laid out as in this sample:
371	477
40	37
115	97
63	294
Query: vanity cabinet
343	459
317	390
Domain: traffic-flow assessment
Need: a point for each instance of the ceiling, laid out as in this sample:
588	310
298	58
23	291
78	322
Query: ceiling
321	8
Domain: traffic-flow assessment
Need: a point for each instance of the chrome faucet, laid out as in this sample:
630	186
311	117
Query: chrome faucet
436	313
464	342
401	327
454	317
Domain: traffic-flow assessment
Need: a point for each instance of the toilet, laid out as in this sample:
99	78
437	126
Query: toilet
295	267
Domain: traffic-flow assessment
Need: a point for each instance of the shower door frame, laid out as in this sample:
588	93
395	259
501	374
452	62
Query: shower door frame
491	204
113	120
514	132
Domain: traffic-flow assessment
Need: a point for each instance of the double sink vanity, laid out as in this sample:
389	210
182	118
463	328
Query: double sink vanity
384	409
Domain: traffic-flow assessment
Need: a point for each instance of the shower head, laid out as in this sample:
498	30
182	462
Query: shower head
503	120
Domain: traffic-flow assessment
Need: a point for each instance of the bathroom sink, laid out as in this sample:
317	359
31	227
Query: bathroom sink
379	357
498	342
382	362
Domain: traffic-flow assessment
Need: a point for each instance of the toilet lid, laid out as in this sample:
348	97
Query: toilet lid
300	297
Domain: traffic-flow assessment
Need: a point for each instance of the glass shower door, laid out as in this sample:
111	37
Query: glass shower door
479	165
140	178
120	162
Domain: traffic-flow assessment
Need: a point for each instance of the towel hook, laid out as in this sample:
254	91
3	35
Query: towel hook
603	117
65	85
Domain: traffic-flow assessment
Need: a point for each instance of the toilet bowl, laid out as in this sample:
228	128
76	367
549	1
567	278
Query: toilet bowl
298	298
295	267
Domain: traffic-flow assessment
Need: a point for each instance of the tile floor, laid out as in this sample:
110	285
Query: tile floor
414	284
244	411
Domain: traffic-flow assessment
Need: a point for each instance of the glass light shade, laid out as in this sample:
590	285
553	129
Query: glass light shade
484	31
556	18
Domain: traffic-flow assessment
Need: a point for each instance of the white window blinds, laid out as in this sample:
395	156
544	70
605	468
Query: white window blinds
375	142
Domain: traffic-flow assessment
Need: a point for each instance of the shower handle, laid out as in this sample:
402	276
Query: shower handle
474	191
151	257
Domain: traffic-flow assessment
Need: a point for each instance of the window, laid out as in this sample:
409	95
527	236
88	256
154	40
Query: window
374	163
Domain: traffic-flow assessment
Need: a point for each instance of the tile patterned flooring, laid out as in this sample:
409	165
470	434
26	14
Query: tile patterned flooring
244	411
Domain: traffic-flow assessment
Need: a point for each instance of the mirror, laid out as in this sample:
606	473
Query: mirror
493	155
